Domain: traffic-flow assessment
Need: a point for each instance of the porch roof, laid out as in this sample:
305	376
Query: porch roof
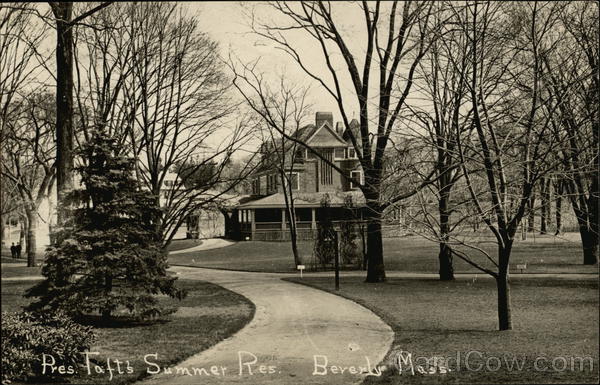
304	200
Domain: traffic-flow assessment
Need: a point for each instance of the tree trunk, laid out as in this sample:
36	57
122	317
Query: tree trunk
294	239
531	219
589	241
375	266
64	105
504	311
504	308
365	261
545	209
2	229
23	235
558	215
445	256
32	220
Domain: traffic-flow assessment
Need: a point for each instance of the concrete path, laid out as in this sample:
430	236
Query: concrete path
207	244
293	326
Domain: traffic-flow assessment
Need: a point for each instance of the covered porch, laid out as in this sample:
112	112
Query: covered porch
267	220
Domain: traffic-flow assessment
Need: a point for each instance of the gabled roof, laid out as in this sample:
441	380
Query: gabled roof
334	141
355	128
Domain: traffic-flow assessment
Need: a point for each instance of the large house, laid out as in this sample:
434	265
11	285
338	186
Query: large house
263	215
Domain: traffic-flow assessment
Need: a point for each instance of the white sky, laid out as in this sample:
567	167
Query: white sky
228	24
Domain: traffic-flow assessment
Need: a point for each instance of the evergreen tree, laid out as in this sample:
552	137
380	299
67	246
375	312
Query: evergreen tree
349	252
324	248
109	255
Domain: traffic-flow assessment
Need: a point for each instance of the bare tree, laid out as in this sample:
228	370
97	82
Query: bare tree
574	84
20	37
510	141
381	75
65	23
30	148
178	110
281	113
443	74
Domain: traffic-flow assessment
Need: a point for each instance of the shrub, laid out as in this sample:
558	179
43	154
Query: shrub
26	336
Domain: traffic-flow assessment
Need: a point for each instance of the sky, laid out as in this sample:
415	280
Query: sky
229	24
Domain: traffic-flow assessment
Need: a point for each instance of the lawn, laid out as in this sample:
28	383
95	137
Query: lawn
11	269
180	244
208	315
552	319
542	254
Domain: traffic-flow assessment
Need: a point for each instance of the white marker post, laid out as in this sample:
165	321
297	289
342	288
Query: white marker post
300	267
521	267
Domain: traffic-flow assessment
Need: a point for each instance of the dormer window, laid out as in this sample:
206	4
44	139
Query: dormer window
351	153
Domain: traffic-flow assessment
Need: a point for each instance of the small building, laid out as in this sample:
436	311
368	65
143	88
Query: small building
262	216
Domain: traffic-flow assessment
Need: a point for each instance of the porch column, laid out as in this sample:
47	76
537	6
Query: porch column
252	222
283	224
313	223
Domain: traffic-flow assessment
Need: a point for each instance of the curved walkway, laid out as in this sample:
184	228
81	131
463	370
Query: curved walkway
207	244
292	325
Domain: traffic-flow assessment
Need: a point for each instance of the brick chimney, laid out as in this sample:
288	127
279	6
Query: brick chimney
322	117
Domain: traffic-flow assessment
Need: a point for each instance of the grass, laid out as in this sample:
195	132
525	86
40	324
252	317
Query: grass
542	254
208	315
180	244
551	318
20	271
9	271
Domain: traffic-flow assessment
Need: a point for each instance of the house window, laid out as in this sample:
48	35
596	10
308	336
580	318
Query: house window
295	181
339	153
271	182
326	169
262	184
355	175
351	153
256	186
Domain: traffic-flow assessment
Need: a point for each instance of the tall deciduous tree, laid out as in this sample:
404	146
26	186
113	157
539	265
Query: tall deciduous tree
512	143
153	79
573	82
443	74
65	22
380	73
179	108
281	113
30	159
20	36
